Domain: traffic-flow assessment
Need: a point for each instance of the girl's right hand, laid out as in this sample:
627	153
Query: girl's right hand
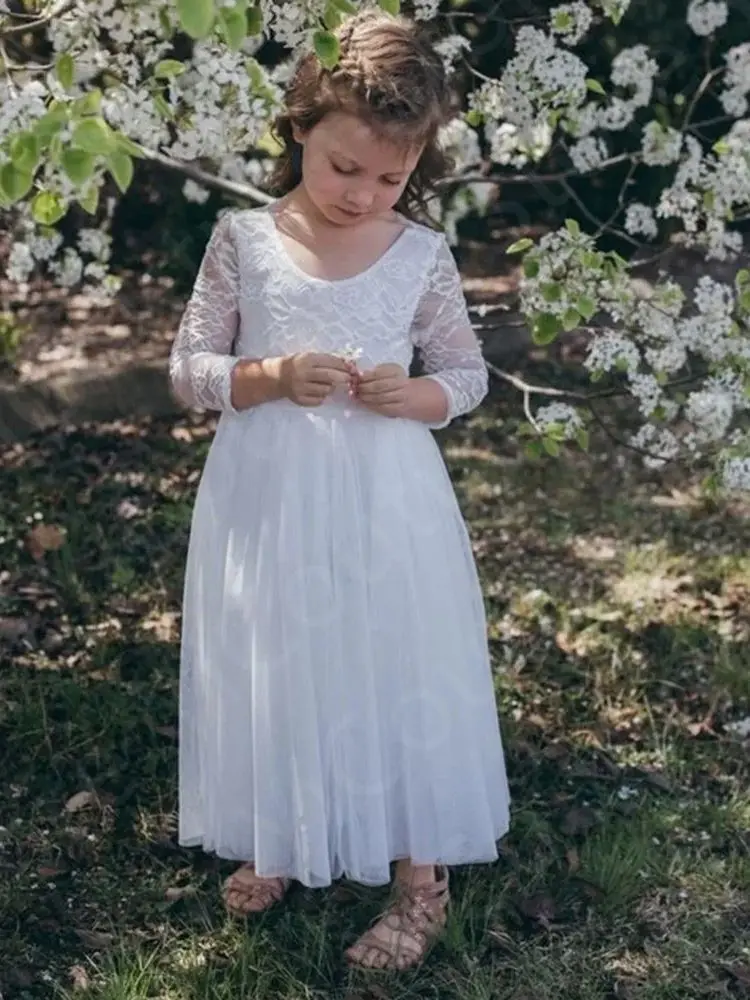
308	379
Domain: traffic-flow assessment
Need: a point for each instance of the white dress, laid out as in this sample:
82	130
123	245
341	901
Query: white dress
337	709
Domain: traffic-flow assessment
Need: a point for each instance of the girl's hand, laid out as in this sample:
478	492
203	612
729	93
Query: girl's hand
308	379
384	390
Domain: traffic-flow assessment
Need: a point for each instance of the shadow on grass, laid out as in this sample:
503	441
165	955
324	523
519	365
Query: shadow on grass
618	628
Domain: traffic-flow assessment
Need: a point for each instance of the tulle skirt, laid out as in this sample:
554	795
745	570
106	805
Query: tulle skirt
337	709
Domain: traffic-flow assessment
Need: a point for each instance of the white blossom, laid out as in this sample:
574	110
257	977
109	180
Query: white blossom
705	16
639	219
571	21
561	415
195	192
660	146
588	154
736	80
450	49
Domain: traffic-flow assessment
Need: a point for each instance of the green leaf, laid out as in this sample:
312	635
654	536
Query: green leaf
254	20
48	207
162	107
345	6
744	299
742	277
551	291
551	446
595	87
77	164
327	48
390	6
168	68
545	328
332	17
24	152
572	226
89	104
562	20
89	200
65	68
474	117
530	267
586	306
120	165
14	183
534	450
94	136
721	147
233	22
49	125
709	200
126	145
582	437
165	23
571	319
196	17
520	245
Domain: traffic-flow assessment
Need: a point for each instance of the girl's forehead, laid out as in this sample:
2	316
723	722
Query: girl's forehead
352	136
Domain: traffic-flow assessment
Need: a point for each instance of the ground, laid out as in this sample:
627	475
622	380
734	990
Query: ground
618	616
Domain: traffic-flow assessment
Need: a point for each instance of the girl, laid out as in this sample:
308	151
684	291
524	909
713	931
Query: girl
336	706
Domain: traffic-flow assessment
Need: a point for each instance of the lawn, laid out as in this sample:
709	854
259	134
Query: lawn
618	614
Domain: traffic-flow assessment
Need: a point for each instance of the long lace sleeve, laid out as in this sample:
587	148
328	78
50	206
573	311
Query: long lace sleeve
201	360
443	334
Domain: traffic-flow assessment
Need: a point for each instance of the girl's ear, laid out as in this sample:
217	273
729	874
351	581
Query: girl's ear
298	134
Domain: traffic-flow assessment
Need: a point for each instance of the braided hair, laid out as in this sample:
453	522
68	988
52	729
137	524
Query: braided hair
389	76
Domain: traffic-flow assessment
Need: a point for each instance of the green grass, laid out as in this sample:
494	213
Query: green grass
619	618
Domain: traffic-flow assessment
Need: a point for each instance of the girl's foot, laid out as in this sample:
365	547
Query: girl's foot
245	892
402	936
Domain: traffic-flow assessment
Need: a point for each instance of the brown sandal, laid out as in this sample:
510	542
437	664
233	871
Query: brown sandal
245	892
401	938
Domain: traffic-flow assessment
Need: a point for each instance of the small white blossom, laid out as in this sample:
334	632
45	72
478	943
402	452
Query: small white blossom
661	146
571	21
705	16
195	192
659	442
737	80
588	154
740	728
450	49
639	218
559	416
20	263
735	474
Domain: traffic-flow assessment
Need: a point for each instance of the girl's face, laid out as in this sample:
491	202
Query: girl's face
349	173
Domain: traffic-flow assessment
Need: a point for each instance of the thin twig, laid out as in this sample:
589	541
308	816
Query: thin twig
62	7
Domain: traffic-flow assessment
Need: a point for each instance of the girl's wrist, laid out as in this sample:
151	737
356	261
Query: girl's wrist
426	401
256	381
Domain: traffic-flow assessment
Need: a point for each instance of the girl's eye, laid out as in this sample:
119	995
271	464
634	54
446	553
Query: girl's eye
341	170
390	182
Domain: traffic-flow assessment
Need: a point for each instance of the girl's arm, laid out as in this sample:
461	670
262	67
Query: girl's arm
201	360
451	354
202	368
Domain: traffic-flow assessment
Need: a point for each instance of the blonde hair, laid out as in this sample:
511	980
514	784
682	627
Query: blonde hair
388	75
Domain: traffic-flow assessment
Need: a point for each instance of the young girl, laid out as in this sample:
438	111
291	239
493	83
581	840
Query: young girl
337	709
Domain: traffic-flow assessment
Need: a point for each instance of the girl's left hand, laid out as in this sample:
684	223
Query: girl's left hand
384	390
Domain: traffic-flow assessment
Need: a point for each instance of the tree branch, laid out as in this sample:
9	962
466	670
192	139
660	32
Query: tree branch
239	189
61	7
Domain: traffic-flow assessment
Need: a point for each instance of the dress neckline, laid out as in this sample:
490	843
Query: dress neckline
284	252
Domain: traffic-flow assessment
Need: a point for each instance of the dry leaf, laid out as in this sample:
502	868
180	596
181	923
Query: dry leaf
501	939
579	819
177	892
573	859
94	939
81	800
13	629
49	872
80	977
540	908
45	538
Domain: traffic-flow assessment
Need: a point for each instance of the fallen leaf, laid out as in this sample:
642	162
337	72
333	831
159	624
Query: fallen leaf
579	819
177	892
13	629
81	800
738	971
95	939
49	872
573	859
501	939
540	908
45	538
79	977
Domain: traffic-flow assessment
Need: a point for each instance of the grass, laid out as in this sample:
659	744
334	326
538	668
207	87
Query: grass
619	620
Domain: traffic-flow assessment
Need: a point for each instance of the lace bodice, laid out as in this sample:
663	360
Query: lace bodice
251	300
